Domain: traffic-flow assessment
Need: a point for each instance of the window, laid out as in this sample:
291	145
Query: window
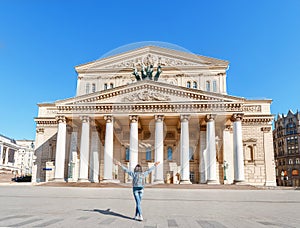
249	153
148	154
195	85
191	154
170	154
111	85
188	85
87	88
297	161
207	85
127	153
290	161
93	87
214	86
105	86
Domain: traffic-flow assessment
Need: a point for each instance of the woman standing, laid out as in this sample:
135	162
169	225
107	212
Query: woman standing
138	182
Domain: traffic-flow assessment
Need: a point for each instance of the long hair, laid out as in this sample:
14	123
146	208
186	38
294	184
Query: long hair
138	168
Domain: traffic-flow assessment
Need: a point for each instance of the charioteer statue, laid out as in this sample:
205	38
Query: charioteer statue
147	73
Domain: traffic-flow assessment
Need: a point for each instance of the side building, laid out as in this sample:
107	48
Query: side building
16	155
286	136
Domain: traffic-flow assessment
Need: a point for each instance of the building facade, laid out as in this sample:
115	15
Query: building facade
16	155
155	104
286	136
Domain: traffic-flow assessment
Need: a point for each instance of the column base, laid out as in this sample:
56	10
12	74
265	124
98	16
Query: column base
185	182
212	182
110	181
239	182
58	180
270	183
158	182
71	180
83	180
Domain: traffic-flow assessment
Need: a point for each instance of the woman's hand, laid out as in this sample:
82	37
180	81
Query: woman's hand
156	163
118	163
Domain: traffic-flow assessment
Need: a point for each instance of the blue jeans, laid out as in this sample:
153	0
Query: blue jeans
138	193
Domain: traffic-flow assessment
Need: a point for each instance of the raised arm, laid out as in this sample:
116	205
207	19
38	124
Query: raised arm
124	168
146	173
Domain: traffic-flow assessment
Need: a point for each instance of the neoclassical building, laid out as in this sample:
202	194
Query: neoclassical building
155	104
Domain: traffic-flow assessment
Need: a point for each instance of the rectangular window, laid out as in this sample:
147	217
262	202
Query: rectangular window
127	154
170	154
93	87
214	86
148	154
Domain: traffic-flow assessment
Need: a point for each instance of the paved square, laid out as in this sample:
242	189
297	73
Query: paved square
40	206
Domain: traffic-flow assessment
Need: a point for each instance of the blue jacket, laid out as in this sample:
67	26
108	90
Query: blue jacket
138	178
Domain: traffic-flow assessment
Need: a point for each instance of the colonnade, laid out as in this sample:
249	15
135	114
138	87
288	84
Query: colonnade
208	156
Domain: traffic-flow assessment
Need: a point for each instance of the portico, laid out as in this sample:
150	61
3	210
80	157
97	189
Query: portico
192	132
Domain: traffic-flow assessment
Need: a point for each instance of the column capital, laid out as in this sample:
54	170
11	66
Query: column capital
266	129
61	119
159	118
210	117
133	118
84	119
108	118
228	127
184	117
237	117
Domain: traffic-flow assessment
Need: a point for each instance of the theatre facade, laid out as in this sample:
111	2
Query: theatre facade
155	104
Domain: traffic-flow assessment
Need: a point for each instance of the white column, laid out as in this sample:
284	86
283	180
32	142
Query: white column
269	157
94	156
211	150
6	156
203	155
238	148
159	148
134	142
1	154
184	150
84	149
60	149
228	154
72	156
108	149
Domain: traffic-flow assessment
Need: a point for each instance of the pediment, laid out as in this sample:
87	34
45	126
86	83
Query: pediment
147	91
151	55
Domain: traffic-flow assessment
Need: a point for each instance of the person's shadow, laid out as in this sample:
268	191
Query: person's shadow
109	212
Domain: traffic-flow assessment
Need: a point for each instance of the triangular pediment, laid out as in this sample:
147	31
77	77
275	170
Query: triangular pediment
151	55
148	91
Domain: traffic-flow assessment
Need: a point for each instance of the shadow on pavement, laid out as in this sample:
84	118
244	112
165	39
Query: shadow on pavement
109	212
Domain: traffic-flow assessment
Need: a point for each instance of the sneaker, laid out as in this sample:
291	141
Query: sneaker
140	218
136	217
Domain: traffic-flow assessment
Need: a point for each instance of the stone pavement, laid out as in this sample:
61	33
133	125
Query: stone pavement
44	206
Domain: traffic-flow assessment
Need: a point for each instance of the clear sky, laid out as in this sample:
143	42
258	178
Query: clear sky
42	41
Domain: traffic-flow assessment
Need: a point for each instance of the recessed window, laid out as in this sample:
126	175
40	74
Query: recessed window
127	153
87	88
111	85
214	86
208	86
105	86
148	154
191	154
195	86
93	87
170	154
188	85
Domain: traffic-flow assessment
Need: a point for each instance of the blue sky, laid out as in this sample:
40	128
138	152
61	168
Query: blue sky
42	41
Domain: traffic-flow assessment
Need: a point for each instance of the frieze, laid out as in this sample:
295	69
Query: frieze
257	120
252	108
150	108
146	96
150	59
